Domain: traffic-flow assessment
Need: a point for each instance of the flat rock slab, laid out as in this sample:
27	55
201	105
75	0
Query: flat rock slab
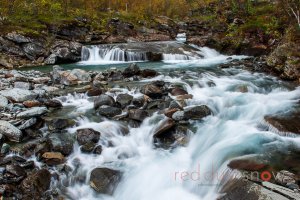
10	131
18	95
33	112
282	190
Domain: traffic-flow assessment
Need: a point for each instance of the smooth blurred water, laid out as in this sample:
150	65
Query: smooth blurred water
154	173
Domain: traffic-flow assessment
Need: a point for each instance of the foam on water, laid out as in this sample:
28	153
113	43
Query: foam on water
150	173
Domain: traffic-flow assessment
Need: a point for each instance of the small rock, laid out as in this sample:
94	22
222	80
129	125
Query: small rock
87	135
109	111
60	124
61	142
138	101
3	101
28	123
132	70
53	103
163	127
88	147
148	73
94	92
124	100
98	150
5	148
16	170
30	104
184	97
103	100
104	180
138	114
178	116
178	91
169	112
197	112
33	112
152	91
22	85
53	158
18	95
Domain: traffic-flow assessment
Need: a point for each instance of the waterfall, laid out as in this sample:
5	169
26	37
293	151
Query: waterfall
110	54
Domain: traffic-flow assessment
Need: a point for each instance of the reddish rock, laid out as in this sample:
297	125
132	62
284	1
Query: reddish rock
30	104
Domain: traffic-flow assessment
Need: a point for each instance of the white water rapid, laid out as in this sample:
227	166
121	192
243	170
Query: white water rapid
234	130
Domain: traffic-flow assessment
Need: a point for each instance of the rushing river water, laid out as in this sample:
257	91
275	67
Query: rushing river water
235	129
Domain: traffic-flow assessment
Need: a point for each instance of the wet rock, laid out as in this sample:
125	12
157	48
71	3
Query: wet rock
138	114
148	73
94	92
22	85
87	135
98	150
18	95
5	148
178	91
237	188
284	177
163	127
15	170
60	124
10	131
36	184
32	112
30	104
61	142
242	89
103	100
28	123
246	164
109	111
132	70
104	180
124	100
169	112
53	103
152	91
3	101
88	147
175	105
138	101
197	112
289	124
178	116
184	97
53	158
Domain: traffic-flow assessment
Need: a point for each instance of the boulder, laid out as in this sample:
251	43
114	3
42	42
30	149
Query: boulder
169	112
163	127
132	70
178	116
152	91
32	112
3	101
138	101
17	38
28	123
103	100
138	114
285	177
288	124
88	147
34	186
18	95
61	142
124	100
104	180
10	131
33	50
109	111
197	112
74	77
15	170
87	135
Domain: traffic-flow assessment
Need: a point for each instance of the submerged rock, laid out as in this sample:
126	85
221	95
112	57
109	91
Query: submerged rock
148	73
163	127
197	112
88	135
34	186
178	91
104	180
53	158
138	114
10	131
103	100
18	95
60	124
289	124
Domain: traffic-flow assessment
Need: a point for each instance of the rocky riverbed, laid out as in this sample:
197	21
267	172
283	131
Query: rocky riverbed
74	128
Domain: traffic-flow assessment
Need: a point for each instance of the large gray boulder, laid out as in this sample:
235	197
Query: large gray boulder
18	95
10	131
33	112
104	180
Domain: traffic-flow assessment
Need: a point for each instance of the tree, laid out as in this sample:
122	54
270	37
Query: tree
293	9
